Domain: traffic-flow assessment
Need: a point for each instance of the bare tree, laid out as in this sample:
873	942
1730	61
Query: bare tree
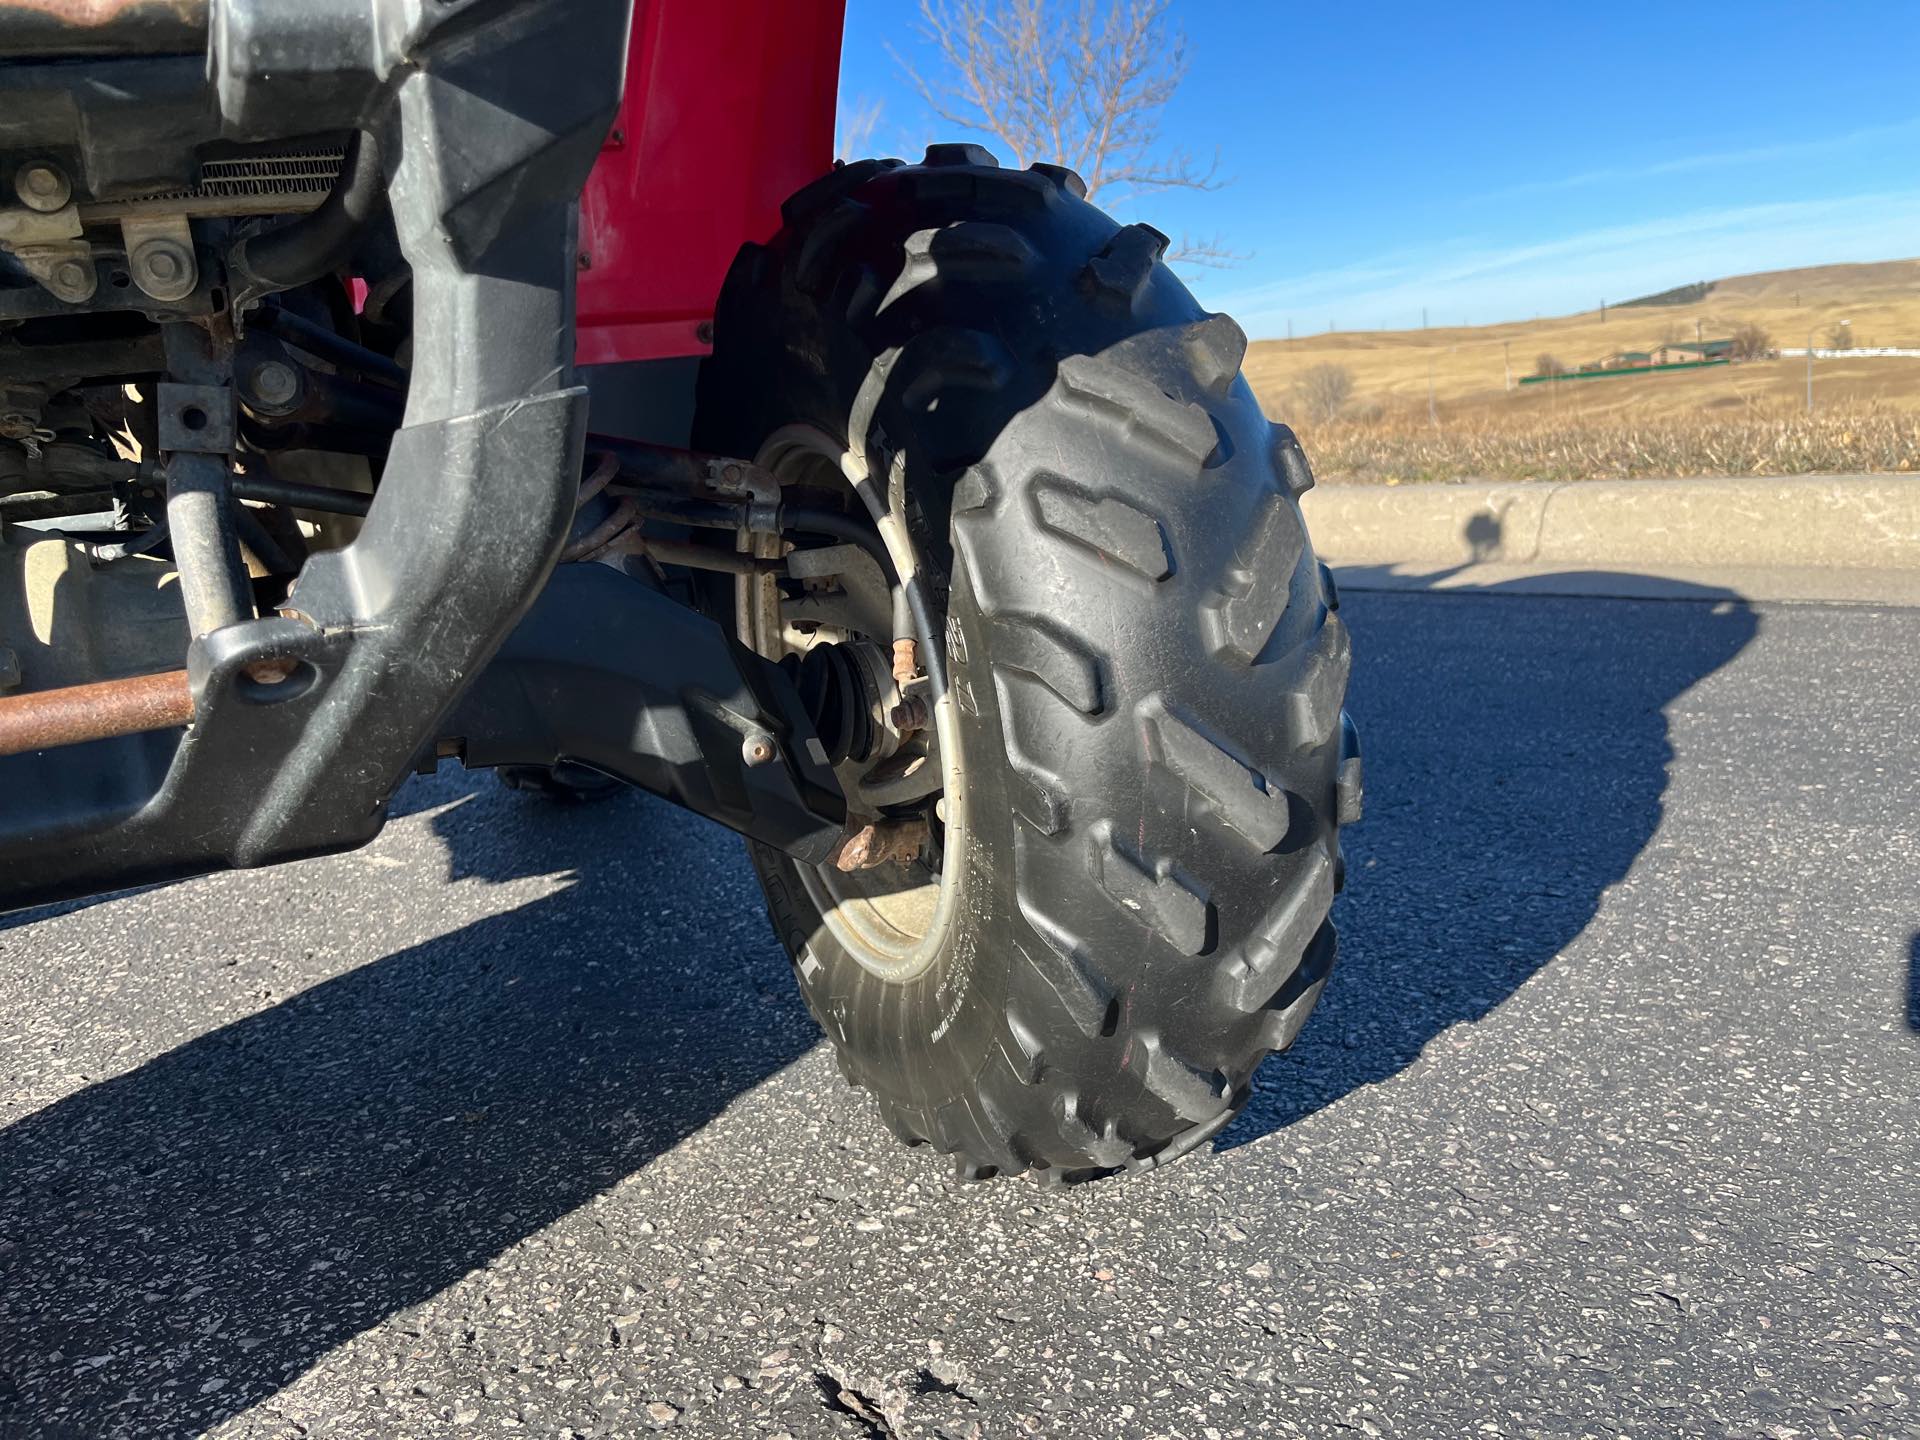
857	122
1324	390
1840	337
1081	87
1548	365
1750	342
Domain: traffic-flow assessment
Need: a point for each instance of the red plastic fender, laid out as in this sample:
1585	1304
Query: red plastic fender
729	109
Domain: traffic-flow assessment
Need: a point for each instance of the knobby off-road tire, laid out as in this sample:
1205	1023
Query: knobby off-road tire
1143	652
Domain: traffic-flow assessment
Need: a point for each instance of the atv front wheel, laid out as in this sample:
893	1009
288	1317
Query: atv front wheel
1121	904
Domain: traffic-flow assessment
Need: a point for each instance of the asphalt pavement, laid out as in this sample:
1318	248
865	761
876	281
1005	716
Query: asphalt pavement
513	1124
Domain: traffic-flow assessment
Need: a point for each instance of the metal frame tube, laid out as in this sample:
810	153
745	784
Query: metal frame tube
43	719
206	545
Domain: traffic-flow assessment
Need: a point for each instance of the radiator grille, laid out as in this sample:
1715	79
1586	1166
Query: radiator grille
296	173
252	184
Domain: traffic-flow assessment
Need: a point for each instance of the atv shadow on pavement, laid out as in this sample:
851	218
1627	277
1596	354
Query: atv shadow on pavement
1511	778
178	1242
1913	983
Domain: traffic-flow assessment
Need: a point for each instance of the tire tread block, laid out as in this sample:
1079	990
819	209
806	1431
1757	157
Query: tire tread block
1110	528
1240	796
1034	647
1215	349
1285	1014
977	252
1248	609
1083	992
814	266
1138	407
1193	1094
1062	178
800	207
1104	1148
1350	778
1040	794
1159	901
1270	955
1291	460
1313	703
1024	1050
1125	265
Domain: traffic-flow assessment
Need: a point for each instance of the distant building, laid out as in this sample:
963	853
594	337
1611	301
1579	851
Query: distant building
1693	352
1690	352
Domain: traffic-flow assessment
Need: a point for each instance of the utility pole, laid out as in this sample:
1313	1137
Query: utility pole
1603	309
1289	327
1433	418
1423	317
1696	334
1809	372
1506	356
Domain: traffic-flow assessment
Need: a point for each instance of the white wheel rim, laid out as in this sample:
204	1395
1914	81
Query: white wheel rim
894	933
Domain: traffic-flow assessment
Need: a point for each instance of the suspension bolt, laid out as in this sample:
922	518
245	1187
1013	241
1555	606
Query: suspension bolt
758	749
274	383
163	268
72	281
41	187
910	714
270	672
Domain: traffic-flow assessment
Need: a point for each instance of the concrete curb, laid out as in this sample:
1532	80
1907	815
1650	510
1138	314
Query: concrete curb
1802	521
1780	584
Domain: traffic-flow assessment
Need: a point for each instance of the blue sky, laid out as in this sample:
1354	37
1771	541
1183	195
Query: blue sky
1496	161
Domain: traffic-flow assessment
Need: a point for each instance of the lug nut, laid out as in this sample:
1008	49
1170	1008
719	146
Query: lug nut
758	749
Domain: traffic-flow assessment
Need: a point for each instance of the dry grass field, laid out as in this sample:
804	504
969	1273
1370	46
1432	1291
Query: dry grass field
1746	418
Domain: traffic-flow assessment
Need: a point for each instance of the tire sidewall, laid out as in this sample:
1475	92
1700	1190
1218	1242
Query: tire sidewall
923	1040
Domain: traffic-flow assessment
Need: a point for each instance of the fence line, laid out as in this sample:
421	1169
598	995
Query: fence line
1871	351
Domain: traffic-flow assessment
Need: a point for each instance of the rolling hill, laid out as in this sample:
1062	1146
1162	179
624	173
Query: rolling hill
1468	366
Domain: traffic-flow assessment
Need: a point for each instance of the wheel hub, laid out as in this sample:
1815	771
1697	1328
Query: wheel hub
894	745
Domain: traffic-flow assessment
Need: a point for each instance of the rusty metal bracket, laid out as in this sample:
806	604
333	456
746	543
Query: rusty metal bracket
196	419
160	255
48	245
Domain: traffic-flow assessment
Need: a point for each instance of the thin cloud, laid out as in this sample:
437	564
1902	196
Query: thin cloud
1463	281
1712	160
